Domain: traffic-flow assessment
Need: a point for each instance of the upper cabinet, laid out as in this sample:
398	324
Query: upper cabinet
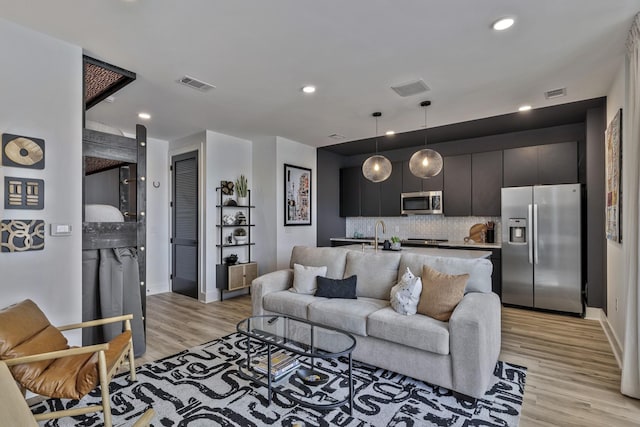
486	183
390	192
542	164
350	191
411	183
456	195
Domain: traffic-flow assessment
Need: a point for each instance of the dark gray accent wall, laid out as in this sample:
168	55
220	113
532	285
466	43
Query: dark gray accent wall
329	223
595	209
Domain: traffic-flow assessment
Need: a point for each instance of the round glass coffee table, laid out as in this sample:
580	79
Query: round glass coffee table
288	348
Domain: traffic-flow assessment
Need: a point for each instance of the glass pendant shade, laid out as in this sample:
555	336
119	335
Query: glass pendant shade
425	163
377	168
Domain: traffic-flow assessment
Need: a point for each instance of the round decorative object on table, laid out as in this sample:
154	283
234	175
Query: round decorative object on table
230	202
231	259
311	377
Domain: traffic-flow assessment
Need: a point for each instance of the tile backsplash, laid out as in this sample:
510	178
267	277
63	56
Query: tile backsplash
455	229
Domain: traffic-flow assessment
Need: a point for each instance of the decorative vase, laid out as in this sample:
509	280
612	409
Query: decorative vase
240	239
243	201
395	246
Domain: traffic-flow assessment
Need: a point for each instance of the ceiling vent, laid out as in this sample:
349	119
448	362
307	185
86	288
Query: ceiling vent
555	93
411	88
194	83
337	136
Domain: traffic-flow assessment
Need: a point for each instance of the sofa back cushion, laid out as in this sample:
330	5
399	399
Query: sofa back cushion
478	269
377	273
334	258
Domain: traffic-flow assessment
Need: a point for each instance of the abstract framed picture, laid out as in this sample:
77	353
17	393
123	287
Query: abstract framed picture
613	173
22	151
23	193
297	195
21	235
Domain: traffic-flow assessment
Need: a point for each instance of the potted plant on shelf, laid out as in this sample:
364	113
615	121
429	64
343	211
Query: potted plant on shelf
242	188
240	235
395	243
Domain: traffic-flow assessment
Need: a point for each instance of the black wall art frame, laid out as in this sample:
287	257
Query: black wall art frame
22	151
297	195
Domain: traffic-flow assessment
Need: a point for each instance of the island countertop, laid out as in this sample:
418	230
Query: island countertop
454	253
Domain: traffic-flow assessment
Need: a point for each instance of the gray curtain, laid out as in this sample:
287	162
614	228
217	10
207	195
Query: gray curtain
111	287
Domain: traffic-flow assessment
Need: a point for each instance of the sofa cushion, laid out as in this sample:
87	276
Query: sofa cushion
406	294
441	293
334	258
337	288
422	332
304	278
479	269
285	302
346	314
377	273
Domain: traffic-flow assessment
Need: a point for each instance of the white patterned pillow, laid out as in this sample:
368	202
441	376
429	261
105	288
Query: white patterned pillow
304	278
406	294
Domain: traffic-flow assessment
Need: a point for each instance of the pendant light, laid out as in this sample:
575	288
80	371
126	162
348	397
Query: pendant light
425	163
376	168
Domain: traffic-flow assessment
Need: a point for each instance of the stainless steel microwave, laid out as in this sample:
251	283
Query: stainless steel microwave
421	203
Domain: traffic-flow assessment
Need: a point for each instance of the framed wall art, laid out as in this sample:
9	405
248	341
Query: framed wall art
21	235
23	193
297	195
22	151
613	173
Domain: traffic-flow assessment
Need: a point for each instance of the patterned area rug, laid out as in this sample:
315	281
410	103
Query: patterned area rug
201	387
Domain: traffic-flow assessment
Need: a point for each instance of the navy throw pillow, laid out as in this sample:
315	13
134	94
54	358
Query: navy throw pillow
334	288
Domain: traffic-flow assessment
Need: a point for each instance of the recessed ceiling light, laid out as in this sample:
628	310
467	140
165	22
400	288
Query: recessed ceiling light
503	24
309	89
524	108
144	116
390	132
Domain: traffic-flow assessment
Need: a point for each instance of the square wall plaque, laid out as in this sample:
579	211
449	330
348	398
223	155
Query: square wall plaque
21	235
23	193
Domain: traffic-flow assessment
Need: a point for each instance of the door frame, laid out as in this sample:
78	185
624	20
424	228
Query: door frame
199	148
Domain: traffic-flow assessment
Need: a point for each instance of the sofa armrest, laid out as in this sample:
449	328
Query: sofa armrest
267	283
475	340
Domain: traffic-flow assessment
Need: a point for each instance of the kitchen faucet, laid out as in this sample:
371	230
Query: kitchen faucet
384	230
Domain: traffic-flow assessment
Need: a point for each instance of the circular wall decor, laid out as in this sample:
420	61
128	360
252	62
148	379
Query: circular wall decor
23	151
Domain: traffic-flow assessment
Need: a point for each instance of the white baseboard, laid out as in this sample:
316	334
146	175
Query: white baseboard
614	342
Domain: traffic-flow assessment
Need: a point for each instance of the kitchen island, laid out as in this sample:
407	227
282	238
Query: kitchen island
435	251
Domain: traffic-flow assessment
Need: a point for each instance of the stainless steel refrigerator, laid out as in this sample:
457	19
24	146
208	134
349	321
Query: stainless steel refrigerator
541	247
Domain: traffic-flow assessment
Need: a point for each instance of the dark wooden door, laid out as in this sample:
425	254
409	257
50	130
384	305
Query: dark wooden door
184	238
486	183
456	195
350	191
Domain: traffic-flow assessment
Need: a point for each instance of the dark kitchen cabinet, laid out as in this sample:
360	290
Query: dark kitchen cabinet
456	195
369	197
390	192
486	183
350	191
411	183
542	164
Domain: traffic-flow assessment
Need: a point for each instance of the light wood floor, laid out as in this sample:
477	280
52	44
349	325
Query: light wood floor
572	378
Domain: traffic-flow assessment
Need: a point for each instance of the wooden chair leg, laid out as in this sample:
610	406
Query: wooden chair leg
104	389
132	365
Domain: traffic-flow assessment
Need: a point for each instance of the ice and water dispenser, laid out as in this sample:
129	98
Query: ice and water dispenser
517	230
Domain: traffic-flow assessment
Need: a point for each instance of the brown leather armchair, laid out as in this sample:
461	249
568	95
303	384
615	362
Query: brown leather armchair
42	362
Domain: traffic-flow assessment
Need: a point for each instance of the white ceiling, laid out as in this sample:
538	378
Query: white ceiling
259	53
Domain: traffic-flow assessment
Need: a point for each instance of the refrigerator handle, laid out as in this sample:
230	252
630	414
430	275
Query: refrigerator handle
535	231
530	234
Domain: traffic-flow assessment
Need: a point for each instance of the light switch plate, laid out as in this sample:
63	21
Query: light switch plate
60	229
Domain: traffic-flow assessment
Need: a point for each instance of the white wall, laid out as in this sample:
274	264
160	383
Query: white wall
227	157
264	190
41	87
297	154
616	290
157	216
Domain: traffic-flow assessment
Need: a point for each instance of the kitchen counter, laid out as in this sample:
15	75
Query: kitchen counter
459	244
454	253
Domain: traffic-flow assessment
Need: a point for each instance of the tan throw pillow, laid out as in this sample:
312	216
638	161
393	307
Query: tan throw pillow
441	293
304	278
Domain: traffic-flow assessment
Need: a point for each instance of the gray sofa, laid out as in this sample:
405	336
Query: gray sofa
459	355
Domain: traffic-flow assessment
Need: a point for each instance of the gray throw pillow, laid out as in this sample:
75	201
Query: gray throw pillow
406	294
304	278
335	288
